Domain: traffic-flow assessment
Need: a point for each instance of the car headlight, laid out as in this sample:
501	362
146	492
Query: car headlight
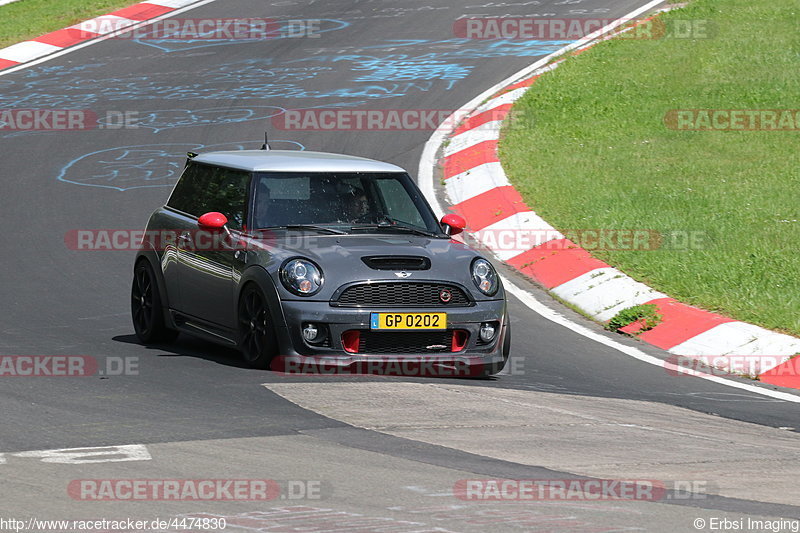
485	277
301	276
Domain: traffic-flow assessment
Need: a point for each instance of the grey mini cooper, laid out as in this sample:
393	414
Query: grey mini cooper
314	260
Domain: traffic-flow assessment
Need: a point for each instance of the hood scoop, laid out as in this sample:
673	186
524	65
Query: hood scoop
397	262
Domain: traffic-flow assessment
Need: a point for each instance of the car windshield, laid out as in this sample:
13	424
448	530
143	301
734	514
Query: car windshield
353	202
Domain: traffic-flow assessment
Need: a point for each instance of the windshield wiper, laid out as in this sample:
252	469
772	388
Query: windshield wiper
392	224
311	227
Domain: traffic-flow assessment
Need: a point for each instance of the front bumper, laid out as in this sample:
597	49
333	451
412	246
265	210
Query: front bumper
476	357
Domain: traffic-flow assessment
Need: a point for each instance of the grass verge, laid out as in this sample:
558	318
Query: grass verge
599	155
27	19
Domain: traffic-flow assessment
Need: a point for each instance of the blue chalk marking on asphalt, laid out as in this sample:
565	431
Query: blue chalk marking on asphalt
439	65
145	166
166	119
399	70
181	45
374	77
451	49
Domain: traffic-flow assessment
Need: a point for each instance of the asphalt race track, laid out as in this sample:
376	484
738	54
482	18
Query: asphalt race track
386	451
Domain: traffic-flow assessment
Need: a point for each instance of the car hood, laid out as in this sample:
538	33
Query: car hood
340	258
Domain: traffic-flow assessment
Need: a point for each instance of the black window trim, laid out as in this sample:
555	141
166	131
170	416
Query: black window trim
248	204
405	179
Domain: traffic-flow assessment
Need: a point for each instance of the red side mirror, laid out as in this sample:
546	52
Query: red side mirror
212	221
454	224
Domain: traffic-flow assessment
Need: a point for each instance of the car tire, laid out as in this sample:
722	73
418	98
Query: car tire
147	311
257	340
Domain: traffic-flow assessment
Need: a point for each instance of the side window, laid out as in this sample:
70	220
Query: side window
399	204
226	192
204	188
185	191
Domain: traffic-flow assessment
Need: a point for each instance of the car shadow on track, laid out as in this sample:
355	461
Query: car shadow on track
187	346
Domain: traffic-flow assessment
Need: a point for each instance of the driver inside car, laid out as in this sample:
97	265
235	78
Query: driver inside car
358	209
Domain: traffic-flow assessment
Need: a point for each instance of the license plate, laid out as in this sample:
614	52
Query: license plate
408	321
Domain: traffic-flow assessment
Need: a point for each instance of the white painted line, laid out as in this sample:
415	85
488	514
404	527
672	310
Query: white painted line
516	234
526	298
427	160
101	454
742	339
4	2
506	98
488	131
105	24
475	181
603	292
27	50
73	48
427	164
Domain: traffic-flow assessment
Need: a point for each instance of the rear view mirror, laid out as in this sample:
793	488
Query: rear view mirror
212	221
453	224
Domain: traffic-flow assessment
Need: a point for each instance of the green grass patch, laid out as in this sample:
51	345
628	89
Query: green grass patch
598	154
27	19
647	314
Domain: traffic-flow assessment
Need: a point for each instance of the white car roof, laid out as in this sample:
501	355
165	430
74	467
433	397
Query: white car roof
294	161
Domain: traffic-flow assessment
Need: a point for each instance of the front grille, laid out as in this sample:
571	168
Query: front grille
411	342
403	294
